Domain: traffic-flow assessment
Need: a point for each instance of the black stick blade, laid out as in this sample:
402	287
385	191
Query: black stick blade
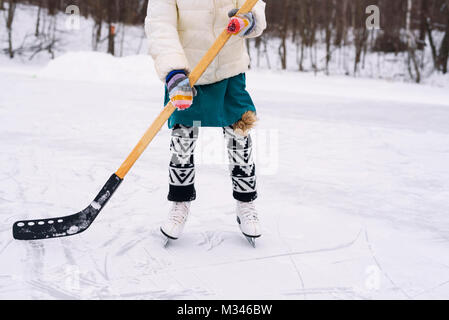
69	225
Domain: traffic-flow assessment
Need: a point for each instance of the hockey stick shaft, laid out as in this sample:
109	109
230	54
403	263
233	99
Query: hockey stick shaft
166	113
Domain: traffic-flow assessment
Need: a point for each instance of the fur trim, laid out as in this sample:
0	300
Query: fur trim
244	125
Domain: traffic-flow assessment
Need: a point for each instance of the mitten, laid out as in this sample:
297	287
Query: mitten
241	25
179	90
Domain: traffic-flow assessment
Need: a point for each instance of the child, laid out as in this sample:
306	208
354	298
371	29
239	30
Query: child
180	33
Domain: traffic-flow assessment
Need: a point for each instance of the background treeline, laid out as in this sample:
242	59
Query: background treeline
406	26
301	32
104	13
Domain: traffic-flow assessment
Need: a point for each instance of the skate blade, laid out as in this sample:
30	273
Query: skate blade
166	239
252	241
165	242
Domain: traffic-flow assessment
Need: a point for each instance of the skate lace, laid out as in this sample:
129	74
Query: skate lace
179	212
248	212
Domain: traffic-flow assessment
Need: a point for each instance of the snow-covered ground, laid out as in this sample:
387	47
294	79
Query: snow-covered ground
353	177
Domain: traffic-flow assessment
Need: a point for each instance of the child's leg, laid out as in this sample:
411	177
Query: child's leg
243	169
182	166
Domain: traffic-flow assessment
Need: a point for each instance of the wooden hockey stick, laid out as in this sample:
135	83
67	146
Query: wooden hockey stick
81	221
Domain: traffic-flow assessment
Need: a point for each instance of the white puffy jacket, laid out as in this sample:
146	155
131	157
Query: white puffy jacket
181	31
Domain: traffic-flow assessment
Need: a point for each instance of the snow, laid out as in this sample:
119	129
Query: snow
353	178
101	68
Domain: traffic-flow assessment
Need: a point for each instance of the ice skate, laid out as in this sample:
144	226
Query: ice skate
177	217
248	221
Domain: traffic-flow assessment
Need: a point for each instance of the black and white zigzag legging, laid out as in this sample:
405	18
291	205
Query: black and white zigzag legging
182	164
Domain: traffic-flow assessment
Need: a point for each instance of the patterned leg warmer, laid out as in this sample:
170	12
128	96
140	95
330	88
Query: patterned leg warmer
243	169
182	166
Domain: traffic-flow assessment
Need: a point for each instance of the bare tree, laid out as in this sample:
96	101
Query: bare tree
444	48
9	22
360	32
412	63
284	34
38	20
421	42
98	24
329	26
111	16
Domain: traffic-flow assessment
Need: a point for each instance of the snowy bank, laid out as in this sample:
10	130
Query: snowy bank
101	67
139	70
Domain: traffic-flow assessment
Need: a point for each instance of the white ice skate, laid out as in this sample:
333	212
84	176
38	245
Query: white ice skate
177	217
248	221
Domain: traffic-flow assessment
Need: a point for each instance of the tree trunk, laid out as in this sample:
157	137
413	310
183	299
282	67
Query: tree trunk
433	47
444	48
413	66
111	39
112	8
422	25
9	22
330	15
284	34
360	33
38	21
